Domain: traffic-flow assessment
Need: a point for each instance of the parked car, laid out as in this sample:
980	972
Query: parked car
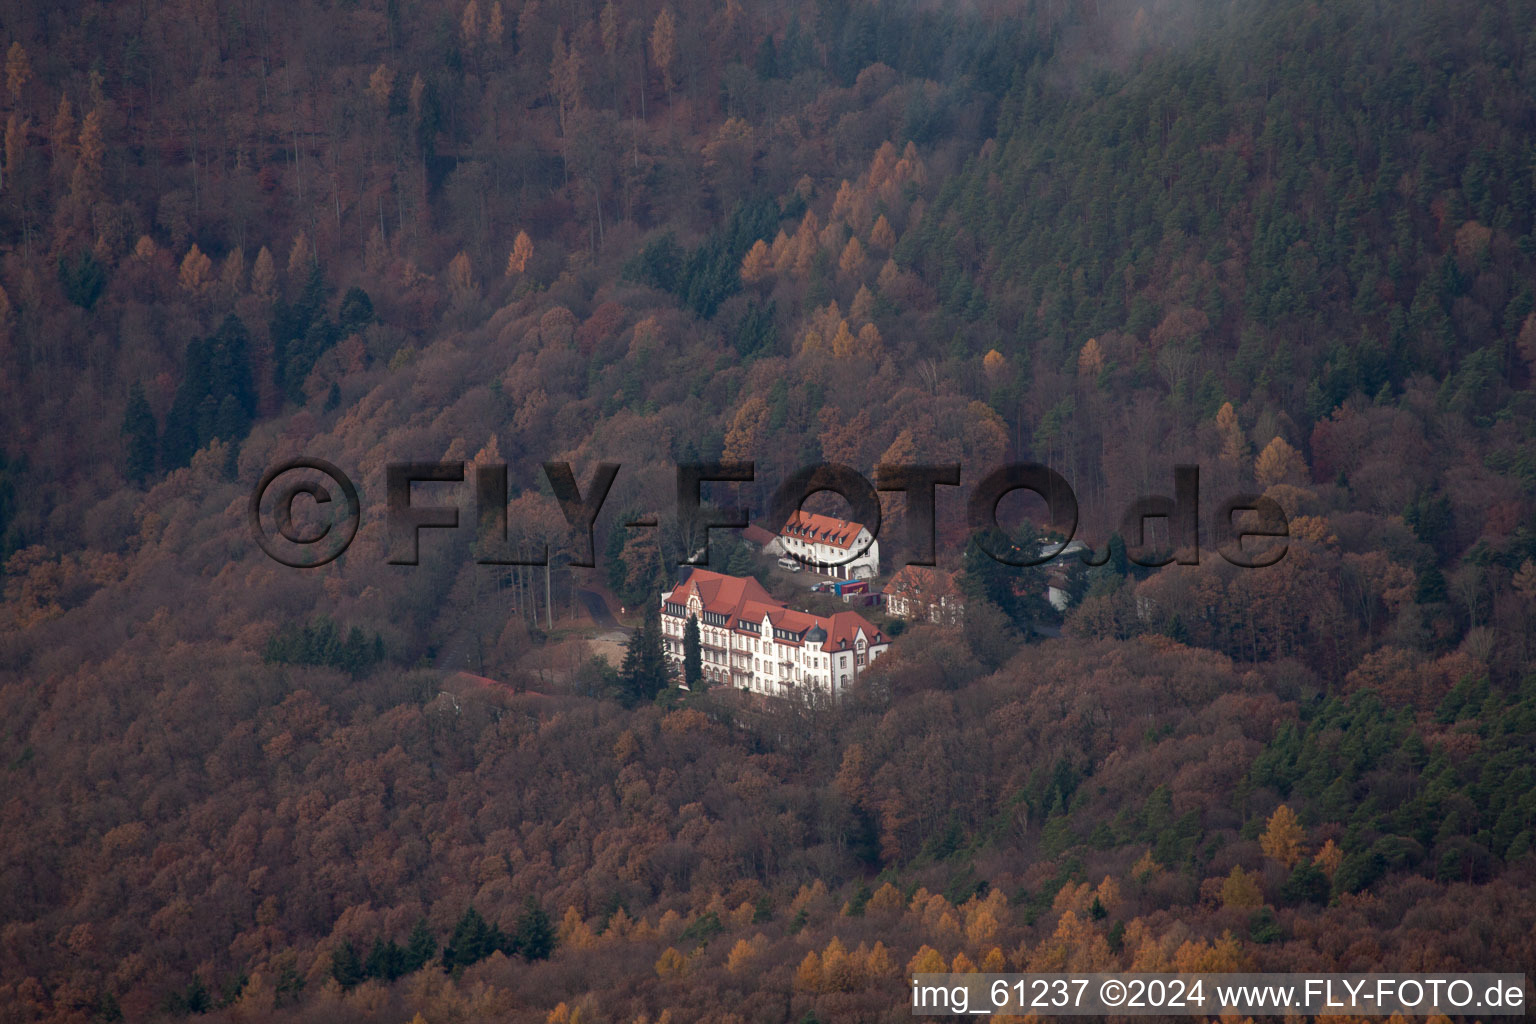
789	564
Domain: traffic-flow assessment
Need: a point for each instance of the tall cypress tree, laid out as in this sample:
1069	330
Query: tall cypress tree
693	656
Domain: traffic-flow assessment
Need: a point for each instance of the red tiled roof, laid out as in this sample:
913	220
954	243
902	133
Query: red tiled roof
844	630
819	529
718	592
741	598
788	618
755	534
753	611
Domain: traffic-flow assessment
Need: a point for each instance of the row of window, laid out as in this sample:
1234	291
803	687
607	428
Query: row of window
758	685
675	629
764	673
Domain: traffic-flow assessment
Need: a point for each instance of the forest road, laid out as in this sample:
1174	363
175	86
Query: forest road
598	609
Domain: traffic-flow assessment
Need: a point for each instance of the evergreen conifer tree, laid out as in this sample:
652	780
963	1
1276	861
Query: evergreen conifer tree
534	937
346	968
693	656
1017	591
420	948
645	671
473	939
140	432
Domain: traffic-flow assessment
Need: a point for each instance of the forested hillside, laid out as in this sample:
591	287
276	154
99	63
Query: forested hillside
1292	243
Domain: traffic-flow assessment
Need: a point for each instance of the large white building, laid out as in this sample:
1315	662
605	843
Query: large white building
750	641
835	547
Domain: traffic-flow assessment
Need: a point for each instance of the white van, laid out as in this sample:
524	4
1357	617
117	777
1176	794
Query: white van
790	564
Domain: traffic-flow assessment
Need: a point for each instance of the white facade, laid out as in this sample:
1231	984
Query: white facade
833	547
750	641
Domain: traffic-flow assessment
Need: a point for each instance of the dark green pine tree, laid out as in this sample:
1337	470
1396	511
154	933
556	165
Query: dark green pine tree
473	940
767	62
300	334
645	671
346	968
230	423
217	367
741	563
1017	591
693	656
420	948
197	998
534	937
613	554
630	683
83	279
986	578
107	1008
356	311
386	960
140	432
10	533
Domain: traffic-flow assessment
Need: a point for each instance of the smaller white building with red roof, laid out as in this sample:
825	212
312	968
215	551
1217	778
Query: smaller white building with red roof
921	592
753	642
835	547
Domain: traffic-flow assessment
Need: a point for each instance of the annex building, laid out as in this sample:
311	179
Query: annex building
834	547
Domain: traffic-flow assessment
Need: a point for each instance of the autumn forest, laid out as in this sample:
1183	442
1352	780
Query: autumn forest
1293	244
